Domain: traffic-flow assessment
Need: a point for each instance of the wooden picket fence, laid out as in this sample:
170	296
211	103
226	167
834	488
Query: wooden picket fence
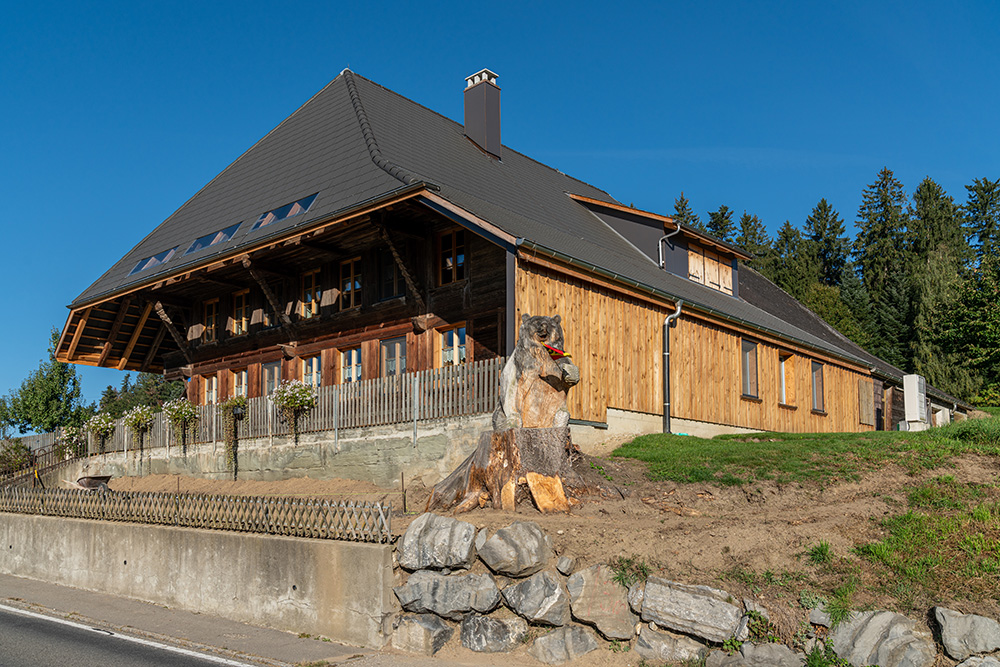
439	393
293	517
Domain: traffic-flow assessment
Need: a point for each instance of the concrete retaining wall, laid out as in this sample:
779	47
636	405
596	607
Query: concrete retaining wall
377	454
340	590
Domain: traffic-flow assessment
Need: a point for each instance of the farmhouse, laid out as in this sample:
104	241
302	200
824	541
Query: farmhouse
367	236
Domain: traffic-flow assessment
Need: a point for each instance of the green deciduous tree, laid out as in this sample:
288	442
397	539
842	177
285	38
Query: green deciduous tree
827	302
880	250
972	324
48	398
720	223
825	230
147	389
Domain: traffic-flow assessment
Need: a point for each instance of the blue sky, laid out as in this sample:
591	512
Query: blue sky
115	113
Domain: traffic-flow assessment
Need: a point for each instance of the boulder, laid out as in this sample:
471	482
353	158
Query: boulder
437	542
819	616
596	599
563	645
541	599
487	634
694	610
883	638
980	661
967	634
636	592
667	647
421	633
448	596
565	565
519	550
757	655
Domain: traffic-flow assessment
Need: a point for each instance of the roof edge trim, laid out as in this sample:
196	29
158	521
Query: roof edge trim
374	151
617	277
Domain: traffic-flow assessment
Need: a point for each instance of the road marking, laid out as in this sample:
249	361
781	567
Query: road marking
128	638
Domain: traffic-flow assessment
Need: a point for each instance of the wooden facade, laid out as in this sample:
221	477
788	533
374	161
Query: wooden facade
615	335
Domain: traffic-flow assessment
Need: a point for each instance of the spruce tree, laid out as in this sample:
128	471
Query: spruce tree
720	224
825	229
793	270
855	297
685	215
982	216
880	250
753	238
972	327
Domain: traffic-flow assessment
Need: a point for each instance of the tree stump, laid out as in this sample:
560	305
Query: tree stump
509	466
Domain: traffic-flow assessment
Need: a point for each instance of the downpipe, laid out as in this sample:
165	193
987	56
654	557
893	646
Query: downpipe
668	322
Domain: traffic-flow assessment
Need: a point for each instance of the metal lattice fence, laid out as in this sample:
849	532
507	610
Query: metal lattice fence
293	517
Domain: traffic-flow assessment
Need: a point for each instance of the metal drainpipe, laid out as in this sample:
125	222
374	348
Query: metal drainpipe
659	245
668	322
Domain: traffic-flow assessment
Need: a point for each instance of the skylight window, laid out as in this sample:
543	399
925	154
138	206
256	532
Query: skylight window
155	260
207	240
287	211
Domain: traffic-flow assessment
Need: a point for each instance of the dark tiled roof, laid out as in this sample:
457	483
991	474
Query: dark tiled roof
355	141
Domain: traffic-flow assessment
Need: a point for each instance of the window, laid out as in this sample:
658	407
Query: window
155	260
390	279
211	385
393	352
786	375
350	283
310	294
453	346
709	269
271	372
287	211
241	312
311	373
350	362
817	386
749	363
208	240
452	267
240	382
211	321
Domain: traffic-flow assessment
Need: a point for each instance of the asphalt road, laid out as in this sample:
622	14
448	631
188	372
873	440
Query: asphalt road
33	640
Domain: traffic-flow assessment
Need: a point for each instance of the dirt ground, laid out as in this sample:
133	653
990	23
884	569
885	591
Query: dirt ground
694	533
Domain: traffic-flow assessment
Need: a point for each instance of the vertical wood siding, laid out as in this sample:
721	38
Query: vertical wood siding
706	381
617	343
614	340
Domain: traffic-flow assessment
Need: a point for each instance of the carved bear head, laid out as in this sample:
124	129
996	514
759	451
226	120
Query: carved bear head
541	330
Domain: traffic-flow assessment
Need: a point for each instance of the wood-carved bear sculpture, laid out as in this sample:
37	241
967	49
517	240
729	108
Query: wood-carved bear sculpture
536	378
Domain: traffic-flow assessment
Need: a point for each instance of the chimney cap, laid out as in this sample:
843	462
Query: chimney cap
480	76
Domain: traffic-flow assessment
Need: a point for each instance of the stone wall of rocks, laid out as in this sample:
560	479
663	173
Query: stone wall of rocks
574	611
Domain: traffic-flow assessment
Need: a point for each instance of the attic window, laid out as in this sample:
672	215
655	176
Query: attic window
207	240
155	260
287	211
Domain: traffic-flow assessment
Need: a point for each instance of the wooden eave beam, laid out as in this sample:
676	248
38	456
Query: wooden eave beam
115	328
154	348
80	326
172	330
411	283
286	321
135	336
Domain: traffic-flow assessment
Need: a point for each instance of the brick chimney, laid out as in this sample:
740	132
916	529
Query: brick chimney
482	111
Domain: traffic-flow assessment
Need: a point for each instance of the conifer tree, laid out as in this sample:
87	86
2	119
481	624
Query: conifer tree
855	297
793	269
825	229
881	256
973	327
982	216
685	215
752	237
720	224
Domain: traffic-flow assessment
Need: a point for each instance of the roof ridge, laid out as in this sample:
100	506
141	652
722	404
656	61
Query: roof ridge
380	160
